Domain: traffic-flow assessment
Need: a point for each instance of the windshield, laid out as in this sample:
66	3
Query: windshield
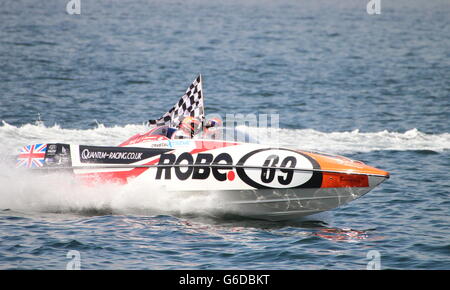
227	134
161	130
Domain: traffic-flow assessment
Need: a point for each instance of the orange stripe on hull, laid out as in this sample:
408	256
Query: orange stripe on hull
350	173
334	180
342	164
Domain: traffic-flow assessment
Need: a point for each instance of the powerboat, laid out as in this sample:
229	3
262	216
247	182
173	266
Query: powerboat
252	180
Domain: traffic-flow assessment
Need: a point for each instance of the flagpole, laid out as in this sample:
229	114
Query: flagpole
203	101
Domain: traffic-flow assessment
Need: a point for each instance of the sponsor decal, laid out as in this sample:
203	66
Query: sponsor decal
122	155
58	155
87	154
180	142
277	169
160	145
51	150
220	171
263	168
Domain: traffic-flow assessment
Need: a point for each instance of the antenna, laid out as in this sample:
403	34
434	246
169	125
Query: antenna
39	121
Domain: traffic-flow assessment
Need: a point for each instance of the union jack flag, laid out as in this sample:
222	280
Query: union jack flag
32	156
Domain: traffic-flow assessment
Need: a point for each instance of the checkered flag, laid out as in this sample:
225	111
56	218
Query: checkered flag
190	104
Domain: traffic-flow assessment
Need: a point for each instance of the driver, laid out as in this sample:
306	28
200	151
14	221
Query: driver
213	123
189	127
211	129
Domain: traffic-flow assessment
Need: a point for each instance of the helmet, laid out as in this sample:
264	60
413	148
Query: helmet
190	125
214	122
